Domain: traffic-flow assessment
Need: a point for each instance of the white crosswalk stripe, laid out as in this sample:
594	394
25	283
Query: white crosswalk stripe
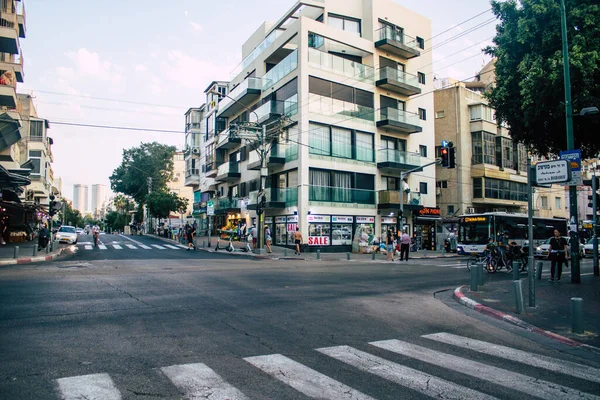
132	247
197	381
88	246
305	380
523	357
158	246
512	380
143	246
91	387
171	247
117	247
405	376
102	247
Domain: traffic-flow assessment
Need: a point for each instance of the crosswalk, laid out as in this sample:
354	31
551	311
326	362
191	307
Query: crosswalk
199	381
128	246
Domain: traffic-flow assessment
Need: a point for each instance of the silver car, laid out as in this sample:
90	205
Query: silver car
67	234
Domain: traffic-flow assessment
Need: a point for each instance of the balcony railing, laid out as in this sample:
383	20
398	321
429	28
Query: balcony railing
227	140
395	41
276	197
253	85
341	195
228	168
392	197
396	158
340	66
260	48
340	110
398	81
397	75
399	120
227	203
192	172
274	109
281	70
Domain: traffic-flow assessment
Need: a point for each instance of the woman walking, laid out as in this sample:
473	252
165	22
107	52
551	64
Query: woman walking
268	239
389	241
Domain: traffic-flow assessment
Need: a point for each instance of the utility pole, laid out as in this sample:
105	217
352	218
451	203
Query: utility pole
575	262
260	237
595	222
149	182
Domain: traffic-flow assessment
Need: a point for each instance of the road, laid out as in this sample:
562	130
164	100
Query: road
140	320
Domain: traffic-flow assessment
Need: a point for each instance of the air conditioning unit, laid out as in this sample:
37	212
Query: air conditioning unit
195	150
470	210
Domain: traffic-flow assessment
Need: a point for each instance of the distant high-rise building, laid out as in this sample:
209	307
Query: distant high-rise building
98	197
80	198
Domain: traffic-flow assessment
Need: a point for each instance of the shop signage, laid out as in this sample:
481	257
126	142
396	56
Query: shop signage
475	219
292	227
342	220
268	220
365	220
210	208
429	211
280	220
292	218
318	240
388	220
319	218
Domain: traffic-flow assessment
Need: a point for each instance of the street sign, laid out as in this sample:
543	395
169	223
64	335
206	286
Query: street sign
210	207
549	172
444	143
574	157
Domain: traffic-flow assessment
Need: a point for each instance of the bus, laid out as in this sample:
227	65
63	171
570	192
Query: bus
475	230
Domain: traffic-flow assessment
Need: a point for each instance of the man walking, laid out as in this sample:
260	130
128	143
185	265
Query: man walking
557	255
404	246
189	232
298	240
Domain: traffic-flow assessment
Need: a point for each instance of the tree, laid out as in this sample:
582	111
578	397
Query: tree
529	90
68	216
149	160
116	221
161	203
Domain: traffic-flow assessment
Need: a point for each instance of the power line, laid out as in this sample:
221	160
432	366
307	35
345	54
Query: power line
109	99
454	27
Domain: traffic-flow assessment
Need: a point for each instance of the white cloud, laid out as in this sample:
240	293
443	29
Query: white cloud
189	71
141	68
196	27
88	64
186	13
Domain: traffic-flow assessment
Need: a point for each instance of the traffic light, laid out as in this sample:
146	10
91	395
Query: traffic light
53	206
445	156
452	157
263	202
591	201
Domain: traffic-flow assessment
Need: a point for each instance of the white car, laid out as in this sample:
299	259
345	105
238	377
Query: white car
79	231
589	247
543	249
67	234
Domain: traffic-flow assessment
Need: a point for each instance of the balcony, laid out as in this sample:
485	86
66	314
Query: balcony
390	199
9	35
347	196
227	140
276	198
15	66
278	156
396	42
8	95
244	94
398	81
192	177
21	19
280	71
210	170
340	66
340	111
274	109
227	205
390	160
399	121
228	172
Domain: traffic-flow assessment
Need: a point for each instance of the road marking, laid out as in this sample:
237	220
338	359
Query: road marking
143	246
88	246
512	380
84	243
523	357
101	247
130	239
303	379
96	386
182	246
171	247
197	381
116	246
158	246
400	374
132	247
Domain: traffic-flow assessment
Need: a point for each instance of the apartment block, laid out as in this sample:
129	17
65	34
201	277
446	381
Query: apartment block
352	80
81	198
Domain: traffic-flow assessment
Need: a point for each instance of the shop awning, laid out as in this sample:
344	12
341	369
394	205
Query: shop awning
9	131
12	181
428	219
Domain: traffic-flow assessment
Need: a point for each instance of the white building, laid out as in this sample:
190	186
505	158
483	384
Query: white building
99	194
354	79
80	198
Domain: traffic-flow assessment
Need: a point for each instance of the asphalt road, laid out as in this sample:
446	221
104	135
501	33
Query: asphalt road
163	323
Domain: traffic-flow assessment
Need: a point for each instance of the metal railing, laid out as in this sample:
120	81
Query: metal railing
393	114
397	75
393	197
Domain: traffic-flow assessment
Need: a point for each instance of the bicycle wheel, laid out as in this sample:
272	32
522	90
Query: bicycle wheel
472	261
491	265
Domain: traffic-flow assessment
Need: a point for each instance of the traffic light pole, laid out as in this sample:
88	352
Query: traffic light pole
404	175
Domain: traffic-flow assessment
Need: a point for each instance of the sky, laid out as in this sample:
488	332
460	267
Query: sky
143	63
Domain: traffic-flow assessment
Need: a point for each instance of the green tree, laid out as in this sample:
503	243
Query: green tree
68	216
161	203
116	221
529	90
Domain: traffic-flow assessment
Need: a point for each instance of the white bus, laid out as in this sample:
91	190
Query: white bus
475	230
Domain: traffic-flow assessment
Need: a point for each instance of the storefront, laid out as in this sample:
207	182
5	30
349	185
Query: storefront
424	221
284	227
388	223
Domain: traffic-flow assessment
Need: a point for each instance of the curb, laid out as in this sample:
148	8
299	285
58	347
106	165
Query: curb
472	304
30	260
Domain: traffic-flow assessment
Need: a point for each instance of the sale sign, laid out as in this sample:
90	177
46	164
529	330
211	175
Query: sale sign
318	240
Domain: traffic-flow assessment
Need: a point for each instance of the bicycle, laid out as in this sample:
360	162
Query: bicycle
487	259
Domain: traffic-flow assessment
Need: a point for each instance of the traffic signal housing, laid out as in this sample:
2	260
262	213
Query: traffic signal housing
445	156
452	157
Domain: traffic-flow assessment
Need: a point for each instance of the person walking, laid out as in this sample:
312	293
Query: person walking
389	245
404	246
558	253
190	231
268	239
298	240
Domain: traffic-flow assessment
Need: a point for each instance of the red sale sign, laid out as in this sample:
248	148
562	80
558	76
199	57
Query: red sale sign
318	240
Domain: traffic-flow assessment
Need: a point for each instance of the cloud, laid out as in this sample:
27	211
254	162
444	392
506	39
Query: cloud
186	13
88	64
141	68
196	27
188	71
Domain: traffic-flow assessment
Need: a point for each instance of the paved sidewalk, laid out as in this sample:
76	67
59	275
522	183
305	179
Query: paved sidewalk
552	313
26	253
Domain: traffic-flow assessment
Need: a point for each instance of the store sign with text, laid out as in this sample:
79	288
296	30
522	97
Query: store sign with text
365	220
280	220
292	218
319	218
318	240
388	220
342	220
268	220
429	211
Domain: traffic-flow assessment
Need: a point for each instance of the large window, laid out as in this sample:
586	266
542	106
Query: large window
504	152
340	142
484	148
36	160
341	187
520	156
504	190
364	147
344	23
36	130
477	188
319	140
482	112
340	92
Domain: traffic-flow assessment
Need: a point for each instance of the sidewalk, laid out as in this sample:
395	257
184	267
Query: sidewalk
552	314
26	253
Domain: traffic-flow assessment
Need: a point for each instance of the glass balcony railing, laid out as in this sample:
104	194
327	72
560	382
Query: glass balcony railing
393	114
287	107
227	168
227	203
400	157
281	70
397	36
340	66
399	76
393	197
225	137
260	48
288	196
341	195
340	110
249	83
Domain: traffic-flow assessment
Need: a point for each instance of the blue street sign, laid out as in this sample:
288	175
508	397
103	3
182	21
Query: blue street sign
444	143
574	157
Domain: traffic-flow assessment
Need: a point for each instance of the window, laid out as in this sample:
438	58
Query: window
337	91
341	142
341	187
36	160
36	130
344	23
364	147
477	188
422	114
319	139
390	183
421	77
421	42
442	184
544	201
484	148
450	209
557	203
423	150
504	152
423	187
480	112
503	190
439	114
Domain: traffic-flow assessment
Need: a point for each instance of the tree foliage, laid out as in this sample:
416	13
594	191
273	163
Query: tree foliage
116	220
161	203
153	160
69	216
529	91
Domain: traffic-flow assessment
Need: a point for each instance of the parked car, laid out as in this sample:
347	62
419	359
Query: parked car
79	231
67	234
588	249
543	249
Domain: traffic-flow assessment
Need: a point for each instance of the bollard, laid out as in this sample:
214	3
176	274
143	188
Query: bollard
318	254
204	244
480	273
35	250
285	253
515	269
348	256
538	269
16	252
518	296
373	256
577	315
424	253
48	248
474	279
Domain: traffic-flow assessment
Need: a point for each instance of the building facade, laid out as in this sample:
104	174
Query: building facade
343	89
179	185
99	197
80	198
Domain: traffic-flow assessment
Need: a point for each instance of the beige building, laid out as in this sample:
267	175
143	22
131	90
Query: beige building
353	80
178	184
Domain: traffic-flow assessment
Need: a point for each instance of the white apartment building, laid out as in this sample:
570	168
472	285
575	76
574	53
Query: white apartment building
80	198
353	78
99	194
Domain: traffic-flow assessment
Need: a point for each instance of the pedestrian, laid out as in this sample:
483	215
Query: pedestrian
298	240
189	232
389	241
268	239
559	251
404	246
254	236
